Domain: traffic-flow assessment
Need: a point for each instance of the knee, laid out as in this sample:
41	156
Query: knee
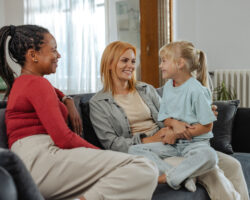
209	156
226	161
234	163
148	171
235	168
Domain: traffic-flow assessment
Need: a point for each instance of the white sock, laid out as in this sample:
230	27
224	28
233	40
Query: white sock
190	184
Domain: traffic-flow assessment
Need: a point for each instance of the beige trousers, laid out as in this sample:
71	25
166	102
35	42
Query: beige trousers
223	182
93	174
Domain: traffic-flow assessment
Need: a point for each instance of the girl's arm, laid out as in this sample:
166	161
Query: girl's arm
199	129
179	128
183	130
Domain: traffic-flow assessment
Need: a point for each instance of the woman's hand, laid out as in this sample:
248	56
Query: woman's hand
74	116
157	137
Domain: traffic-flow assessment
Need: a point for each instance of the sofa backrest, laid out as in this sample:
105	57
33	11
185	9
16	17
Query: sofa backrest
240	136
82	103
241	131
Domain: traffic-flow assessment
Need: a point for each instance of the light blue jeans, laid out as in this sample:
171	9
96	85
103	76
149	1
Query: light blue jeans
199	158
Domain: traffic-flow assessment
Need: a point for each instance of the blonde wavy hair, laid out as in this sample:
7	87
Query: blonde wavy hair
195	60
110	58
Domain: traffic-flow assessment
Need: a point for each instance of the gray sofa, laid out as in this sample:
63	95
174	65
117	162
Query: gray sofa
239	125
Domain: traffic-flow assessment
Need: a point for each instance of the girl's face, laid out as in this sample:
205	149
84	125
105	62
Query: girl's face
125	66
168	68
47	56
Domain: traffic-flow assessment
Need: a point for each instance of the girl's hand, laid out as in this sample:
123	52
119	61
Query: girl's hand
180	128
74	116
169	137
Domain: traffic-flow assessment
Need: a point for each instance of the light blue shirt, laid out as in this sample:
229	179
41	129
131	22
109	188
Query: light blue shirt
189	102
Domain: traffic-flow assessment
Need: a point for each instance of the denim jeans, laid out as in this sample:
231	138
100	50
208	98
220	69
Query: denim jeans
199	158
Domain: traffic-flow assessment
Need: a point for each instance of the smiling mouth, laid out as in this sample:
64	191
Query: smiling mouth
128	72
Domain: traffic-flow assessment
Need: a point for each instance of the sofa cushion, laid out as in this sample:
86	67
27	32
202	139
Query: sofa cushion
223	127
88	130
164	192
3	135
244	159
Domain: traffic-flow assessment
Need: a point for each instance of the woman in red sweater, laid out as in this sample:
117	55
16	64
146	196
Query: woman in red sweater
62	164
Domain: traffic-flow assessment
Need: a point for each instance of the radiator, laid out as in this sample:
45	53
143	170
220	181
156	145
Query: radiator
239	80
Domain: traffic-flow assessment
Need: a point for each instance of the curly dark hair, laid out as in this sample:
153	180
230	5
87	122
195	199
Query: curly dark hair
22	38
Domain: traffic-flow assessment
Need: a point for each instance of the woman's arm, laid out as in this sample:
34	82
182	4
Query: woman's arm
108	127
74	116
59	93
46	104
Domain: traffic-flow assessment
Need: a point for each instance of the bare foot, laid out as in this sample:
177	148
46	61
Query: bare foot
162	178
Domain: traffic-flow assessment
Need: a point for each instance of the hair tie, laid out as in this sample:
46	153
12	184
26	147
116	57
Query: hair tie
12	30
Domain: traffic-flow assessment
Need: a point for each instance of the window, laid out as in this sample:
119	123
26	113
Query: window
79	28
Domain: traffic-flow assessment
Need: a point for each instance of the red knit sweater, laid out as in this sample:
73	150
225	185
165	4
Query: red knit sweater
34	107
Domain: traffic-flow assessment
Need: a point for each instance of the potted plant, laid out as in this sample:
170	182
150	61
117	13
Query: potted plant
224	93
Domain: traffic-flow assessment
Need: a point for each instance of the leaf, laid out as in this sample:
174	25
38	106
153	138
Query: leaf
223	93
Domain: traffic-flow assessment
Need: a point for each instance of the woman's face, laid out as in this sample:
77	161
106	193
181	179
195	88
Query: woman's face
125	66
47	56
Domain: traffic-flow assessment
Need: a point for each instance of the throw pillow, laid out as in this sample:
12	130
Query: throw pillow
223	127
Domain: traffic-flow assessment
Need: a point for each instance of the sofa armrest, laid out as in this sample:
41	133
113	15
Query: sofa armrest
241	131
7	185
26	188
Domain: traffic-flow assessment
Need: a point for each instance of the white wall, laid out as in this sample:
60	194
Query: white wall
219	27
12	12
2	13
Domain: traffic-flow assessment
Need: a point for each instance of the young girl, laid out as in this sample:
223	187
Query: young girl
186	111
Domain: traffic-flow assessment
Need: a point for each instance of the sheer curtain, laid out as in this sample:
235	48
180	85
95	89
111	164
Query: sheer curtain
79	28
